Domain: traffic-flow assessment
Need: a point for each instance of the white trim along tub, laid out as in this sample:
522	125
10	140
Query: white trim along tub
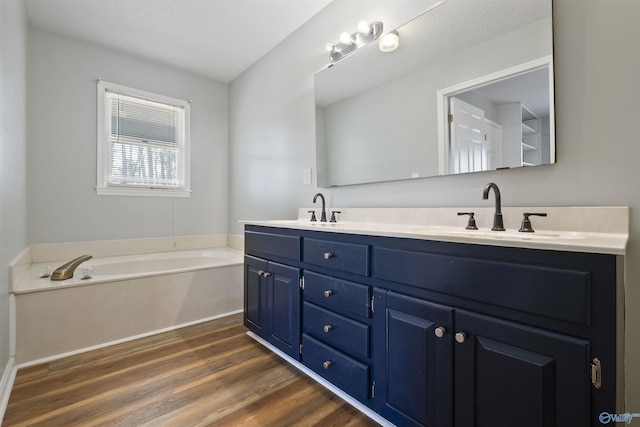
138	287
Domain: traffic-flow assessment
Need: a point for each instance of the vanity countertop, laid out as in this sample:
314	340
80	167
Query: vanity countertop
575	229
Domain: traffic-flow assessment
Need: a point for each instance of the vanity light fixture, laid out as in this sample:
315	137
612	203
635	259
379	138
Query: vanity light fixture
350	42
389	42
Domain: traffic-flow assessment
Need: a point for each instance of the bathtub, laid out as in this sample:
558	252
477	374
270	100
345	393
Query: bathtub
128	296
114	268
162	263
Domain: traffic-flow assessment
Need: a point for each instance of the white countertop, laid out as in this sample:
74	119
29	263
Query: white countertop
589	229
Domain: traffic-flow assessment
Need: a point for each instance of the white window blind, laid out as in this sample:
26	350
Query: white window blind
143	142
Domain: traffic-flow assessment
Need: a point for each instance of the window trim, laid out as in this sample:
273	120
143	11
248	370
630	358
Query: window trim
103	147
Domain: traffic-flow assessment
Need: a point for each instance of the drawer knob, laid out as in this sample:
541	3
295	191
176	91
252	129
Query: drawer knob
327	364
327	328
328	255
440	331
461	337
328	293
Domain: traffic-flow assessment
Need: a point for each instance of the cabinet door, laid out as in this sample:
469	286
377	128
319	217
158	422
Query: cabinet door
508	374
284	308
413	360
255	295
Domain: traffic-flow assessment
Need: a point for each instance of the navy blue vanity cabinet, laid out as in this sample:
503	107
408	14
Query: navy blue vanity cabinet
336	339
413	360
441	334
272	289
336	332
272	303
255	295
518	348
508	374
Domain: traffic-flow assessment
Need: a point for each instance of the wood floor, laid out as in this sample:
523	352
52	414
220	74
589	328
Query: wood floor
207	374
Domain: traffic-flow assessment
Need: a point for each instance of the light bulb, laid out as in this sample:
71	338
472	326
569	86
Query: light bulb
364	28
389	42
346	38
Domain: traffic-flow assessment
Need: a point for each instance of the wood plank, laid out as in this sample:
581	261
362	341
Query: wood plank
206	374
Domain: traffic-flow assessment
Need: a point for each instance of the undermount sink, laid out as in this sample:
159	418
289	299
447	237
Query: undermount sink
501	235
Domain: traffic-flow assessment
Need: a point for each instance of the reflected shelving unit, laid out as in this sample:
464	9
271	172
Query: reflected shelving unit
531	140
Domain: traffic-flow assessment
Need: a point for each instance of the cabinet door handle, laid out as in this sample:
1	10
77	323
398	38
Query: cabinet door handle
327	364
260	273
266	274
328	293
328	255
461	337
440	331
327	328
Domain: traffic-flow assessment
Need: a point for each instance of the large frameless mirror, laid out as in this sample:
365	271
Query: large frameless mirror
469	89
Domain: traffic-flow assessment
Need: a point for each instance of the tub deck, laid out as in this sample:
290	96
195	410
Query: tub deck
115	268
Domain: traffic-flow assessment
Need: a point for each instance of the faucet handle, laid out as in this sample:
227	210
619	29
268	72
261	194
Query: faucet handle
313	216
333	216
525	227
471	223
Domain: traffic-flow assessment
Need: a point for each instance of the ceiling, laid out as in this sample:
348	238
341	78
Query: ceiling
218	39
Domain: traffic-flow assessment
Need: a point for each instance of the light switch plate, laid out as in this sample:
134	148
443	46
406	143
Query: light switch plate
306	176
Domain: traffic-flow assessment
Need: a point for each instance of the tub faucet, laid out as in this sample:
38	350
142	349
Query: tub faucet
497	216
65	271
323	214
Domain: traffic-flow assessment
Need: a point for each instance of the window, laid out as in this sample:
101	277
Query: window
143	143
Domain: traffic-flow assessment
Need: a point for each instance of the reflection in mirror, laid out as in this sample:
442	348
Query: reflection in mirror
384	116
498	121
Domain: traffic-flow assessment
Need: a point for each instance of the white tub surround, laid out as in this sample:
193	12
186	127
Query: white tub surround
149	289
116	268
56	254
577	229
236	242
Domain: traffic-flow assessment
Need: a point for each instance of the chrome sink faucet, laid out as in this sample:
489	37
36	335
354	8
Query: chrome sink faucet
65	271
323	214
497	216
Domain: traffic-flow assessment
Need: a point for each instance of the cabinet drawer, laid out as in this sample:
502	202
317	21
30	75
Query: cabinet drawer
347	257
343	371
336	330
273	244
344	296
556	293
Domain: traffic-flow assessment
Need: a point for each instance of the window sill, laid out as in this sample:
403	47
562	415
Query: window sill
141	192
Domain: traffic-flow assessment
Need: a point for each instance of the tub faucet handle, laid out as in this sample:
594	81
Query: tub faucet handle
45	271
87	273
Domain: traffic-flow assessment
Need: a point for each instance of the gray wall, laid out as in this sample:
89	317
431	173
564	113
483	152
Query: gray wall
62	202
597	64
13	143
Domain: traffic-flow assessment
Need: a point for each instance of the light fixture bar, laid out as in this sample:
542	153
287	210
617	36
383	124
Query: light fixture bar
348	43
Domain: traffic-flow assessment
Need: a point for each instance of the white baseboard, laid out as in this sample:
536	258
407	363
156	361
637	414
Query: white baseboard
123	340
350	400
6	384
